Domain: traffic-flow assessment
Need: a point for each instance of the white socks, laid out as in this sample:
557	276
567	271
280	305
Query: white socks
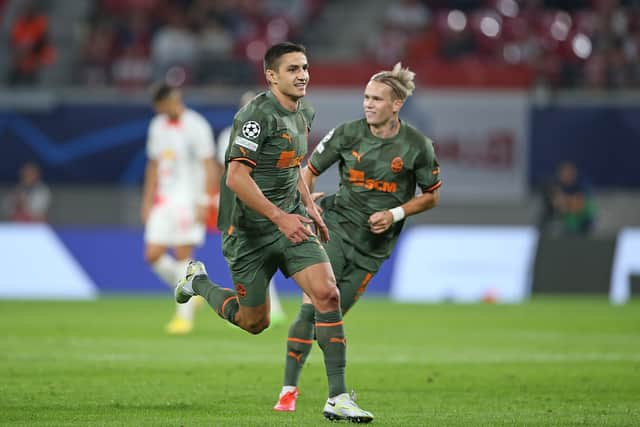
276	308
171	271
166	267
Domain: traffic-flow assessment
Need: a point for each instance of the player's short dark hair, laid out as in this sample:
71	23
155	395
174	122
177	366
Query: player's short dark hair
161	92
275	52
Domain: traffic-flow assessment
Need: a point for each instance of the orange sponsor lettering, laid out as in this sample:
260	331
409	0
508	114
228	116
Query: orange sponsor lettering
288	159
357	178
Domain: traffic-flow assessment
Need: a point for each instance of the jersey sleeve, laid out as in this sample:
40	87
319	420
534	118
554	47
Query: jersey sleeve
326	153
428	169
247	137
204	145
153	145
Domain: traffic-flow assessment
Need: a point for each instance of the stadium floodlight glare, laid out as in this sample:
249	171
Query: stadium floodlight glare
581	45
490	26
456	20
508	8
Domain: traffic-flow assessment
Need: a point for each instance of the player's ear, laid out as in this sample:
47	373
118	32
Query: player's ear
270	75
397	105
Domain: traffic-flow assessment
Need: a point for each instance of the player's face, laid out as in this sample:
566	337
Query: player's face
171	106
292	76
379	103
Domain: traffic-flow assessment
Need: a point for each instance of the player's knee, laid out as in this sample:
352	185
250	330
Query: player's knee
151	257
329	297
254	327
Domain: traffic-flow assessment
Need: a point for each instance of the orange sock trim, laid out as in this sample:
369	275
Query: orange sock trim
300	340
329	324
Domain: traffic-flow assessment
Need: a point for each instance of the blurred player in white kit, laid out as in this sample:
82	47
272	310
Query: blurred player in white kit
276	313
179	181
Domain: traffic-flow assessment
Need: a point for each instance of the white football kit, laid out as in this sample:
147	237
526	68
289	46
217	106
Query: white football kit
179	147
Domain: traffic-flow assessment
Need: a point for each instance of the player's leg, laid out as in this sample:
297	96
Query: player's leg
301	333
183	320
186	233
162	263
312	272
251	270
276	312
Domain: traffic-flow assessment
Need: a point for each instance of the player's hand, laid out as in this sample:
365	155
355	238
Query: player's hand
321	227
295	227
379	222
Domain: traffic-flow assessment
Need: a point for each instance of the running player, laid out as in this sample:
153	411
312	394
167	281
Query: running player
276	313
266	226
381	160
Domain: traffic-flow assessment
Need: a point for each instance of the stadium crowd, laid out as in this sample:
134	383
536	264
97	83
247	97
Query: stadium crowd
557	43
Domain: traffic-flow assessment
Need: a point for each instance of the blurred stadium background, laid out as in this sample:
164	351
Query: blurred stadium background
507	89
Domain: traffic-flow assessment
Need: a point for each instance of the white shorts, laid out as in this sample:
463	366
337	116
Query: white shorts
172	224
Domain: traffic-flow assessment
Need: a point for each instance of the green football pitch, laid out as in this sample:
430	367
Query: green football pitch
551	361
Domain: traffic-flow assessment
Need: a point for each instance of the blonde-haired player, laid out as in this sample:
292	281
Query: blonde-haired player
178	181
382	160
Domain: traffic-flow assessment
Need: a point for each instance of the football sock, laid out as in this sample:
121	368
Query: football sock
274	301
330	336
187	310
224	301
166	267
299	344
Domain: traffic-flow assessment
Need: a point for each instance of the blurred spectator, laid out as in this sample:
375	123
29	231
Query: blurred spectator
98	52
174	45
30	46
410	16
29	201
568	205
389	44
214	40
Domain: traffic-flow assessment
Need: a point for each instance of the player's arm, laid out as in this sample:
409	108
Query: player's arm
210	184
382	220
313	210
427	175
239	181
149	189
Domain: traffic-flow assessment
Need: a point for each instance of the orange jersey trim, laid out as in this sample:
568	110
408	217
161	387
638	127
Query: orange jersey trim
433	187
329	324
312	169
300	340
244	160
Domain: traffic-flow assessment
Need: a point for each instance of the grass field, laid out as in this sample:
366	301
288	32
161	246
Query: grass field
552	361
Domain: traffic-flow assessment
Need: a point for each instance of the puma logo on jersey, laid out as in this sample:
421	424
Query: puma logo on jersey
357	178
357	155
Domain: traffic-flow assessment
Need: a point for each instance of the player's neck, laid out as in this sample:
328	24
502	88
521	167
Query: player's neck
286	101
385	130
